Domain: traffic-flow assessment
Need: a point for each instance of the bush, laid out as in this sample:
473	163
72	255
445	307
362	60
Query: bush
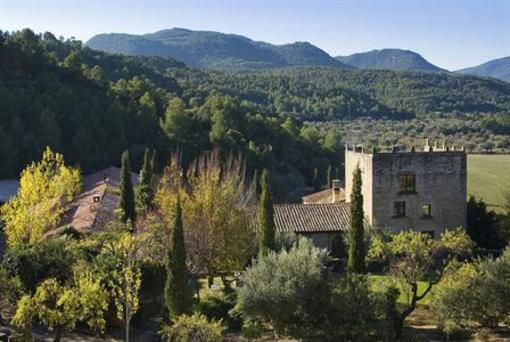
48	259
474	295
220	307
195	328
292	291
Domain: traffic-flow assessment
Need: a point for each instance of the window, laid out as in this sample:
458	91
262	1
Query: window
399	209
426	210
407	182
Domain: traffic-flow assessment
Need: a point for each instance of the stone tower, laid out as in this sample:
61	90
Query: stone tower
421	190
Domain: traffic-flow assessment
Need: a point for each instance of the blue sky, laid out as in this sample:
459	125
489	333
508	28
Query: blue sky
449	33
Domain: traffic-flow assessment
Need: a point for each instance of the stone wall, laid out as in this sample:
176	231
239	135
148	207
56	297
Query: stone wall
440	181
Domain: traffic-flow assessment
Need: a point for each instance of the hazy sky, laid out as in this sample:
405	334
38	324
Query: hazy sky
449	33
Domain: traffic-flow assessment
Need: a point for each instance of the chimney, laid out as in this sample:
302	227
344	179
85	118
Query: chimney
337	190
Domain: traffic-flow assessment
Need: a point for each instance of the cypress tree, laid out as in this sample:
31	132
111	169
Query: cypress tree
176	293
127	196
265	217
356	238
256	183
144	190
328	177
316	180
154	163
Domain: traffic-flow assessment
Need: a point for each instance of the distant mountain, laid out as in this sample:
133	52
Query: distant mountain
214	50
391	59
497	68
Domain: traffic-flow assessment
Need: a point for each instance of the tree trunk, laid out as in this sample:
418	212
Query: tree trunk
58	335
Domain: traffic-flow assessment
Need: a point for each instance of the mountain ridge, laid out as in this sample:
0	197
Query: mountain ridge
214	50
390	59
497	68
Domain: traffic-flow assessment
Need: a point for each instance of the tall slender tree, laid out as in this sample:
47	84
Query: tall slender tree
127	195
316	179
154	163
356	233
144	190
266	238
328	177
177	296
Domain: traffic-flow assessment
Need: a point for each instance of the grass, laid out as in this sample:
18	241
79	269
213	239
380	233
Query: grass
489	178
381	282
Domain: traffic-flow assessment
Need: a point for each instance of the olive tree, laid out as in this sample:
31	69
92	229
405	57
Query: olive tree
413	256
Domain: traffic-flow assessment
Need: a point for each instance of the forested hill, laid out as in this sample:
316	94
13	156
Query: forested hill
91	106
390	59
497	68
214	50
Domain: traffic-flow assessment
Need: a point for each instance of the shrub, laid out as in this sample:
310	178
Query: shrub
195	328
474	295
287	288
292	291
48	259
220	307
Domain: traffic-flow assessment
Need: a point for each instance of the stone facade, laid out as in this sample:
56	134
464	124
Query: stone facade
423	190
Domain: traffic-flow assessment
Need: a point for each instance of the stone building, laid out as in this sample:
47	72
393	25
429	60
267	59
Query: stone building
421	190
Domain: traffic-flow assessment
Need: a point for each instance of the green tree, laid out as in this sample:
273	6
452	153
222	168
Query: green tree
118	268
413	256
328	177
474	294
316	180
356	233
127	196
144	190
482	224
266	217
176	291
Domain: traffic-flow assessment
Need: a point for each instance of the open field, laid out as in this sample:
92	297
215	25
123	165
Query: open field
489	178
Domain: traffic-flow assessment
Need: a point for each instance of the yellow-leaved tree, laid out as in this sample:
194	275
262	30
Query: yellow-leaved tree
214	196
46	189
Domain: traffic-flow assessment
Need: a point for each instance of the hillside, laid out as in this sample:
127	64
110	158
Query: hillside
390	59
92	105
497	68
214	50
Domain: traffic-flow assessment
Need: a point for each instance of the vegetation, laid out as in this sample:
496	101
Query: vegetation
413	256
46	189
293	292
214	50
474	295
391	59
193	328
127	195
217	236
59	308
144	190
356	233
91	106
267	230
176	291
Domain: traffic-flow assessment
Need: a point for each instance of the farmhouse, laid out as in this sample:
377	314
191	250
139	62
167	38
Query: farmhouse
420	190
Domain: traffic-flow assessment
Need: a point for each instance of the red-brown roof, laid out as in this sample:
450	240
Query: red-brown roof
95	206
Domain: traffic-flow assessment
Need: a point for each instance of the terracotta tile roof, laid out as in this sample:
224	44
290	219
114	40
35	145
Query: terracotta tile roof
304	218
95	206
308	218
